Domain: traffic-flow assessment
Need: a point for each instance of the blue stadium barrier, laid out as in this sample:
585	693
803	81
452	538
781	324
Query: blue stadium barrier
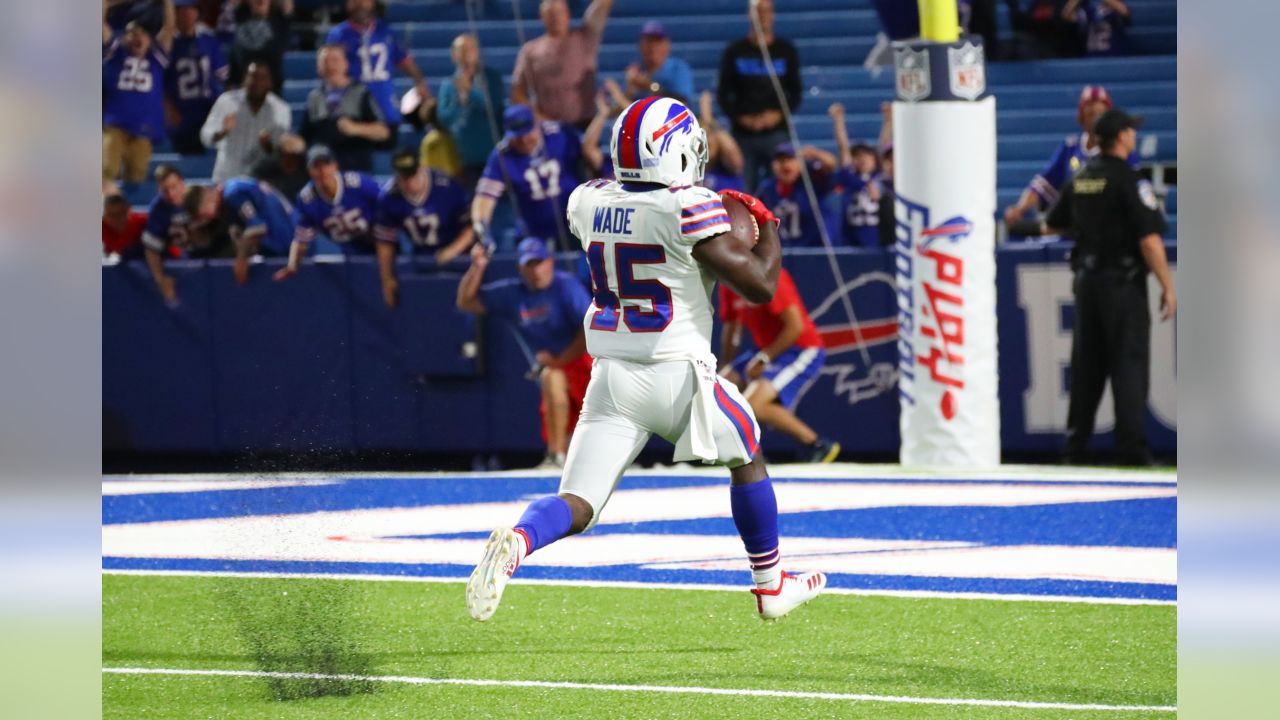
320	364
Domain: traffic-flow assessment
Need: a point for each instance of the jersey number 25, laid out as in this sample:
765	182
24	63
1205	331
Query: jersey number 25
608	299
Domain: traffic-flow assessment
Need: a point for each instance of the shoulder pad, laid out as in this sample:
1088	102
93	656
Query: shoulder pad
308	193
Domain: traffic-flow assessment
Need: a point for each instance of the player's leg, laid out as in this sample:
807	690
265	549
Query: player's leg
755	509
774	394
555	399
604	444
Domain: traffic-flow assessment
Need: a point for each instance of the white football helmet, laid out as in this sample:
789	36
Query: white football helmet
657	139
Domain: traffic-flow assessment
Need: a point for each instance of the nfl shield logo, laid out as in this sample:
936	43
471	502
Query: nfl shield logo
911	67
967	70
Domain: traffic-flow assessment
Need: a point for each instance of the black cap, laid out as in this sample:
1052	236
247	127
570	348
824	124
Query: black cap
405	161
1112	122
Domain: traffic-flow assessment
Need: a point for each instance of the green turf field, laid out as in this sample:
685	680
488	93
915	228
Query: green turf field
1062	653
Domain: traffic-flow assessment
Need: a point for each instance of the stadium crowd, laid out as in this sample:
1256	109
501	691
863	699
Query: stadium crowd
206	76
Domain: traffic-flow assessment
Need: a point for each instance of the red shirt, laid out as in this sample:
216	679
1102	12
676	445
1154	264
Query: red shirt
122	242
764	322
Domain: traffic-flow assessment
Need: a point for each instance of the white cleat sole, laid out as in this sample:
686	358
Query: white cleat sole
489	579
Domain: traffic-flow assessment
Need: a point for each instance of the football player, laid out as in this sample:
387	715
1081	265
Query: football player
788	357
656	243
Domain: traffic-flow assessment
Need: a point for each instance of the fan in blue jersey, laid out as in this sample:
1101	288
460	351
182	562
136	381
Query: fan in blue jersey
429	207
1104	24
372	51
252	213
860	183
339	205
166	227
197	72
799	222
133	67
1070	156
539	162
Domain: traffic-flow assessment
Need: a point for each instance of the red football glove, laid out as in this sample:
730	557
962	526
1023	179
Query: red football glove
757	209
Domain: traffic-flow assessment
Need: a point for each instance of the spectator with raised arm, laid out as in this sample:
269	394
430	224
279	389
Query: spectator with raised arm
245	124
372	52
800	220
656	72
470	106
555	74
133	114
343	114
746	92
262	36
197	73
859	180
1104	25
546	307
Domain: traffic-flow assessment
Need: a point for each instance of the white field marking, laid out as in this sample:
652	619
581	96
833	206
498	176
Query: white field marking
187	485
836	471
636	585
376	534
667	689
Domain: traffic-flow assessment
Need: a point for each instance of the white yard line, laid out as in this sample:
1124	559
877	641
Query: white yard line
668	689
650	586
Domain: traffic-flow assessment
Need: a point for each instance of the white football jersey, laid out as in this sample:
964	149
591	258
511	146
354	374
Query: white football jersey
651	300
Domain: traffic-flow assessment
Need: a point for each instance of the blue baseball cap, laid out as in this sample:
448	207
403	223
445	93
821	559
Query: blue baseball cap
653	29
319	153
784	149
533	249
185	3
518	120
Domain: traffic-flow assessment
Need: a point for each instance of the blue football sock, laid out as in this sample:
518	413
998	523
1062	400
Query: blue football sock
545	521
755	513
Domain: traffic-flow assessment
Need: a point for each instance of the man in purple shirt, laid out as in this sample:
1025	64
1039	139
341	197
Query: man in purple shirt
556	73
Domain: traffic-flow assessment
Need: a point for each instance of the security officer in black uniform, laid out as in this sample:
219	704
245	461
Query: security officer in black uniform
1116	221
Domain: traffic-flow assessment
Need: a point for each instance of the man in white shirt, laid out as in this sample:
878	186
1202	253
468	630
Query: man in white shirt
244	124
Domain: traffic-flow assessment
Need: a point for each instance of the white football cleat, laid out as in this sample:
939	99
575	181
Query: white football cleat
792	592
489	579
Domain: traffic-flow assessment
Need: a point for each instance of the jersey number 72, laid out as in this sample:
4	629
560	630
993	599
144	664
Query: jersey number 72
608	299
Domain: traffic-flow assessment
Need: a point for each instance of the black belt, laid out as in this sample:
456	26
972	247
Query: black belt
1097	262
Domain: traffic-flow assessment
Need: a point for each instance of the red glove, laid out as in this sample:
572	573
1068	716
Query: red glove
757	209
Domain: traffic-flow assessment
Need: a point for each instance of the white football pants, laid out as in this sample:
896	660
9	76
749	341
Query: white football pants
626	403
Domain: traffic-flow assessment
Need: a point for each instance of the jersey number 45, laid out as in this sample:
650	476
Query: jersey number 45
609	298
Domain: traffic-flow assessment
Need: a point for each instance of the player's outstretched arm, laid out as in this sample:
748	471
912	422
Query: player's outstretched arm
752	273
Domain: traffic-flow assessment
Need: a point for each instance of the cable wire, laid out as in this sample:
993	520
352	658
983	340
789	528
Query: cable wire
808	182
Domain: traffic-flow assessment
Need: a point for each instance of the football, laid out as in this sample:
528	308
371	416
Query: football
742	224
